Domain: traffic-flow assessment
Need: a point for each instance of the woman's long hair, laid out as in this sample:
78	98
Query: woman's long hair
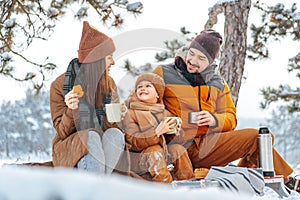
96	82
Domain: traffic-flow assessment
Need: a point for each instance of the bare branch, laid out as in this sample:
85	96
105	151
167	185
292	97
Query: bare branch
213	15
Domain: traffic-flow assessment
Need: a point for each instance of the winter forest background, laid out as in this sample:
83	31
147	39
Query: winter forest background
27	132
25	124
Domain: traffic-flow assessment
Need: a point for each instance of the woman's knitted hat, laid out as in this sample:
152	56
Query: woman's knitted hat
208	42
157	82
94	45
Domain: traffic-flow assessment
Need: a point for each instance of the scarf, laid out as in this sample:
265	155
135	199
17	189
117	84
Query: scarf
72	71
209	76
195	79
146	117
146	114
90	116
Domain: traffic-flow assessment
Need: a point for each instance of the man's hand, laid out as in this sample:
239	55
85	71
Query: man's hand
204	118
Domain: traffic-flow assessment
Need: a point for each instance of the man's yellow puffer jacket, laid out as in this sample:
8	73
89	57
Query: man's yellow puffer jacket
180	98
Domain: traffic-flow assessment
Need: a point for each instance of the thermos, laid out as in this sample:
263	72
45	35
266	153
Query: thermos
265	160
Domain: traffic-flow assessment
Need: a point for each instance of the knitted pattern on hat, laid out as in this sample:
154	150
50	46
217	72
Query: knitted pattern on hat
94	45
157	82
208	42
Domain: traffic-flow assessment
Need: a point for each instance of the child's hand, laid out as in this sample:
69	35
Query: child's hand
178	127
164	127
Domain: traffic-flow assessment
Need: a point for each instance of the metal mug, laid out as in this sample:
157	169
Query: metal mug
192	117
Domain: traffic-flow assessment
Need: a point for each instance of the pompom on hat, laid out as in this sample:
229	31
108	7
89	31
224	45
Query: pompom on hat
208	42
94	45
157	82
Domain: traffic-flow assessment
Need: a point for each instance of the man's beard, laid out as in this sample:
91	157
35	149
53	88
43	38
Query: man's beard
195	66
194	79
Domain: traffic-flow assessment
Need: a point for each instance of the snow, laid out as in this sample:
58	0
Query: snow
279	17
296	16
9	23
38	183
34	123
82	12
6	56
123	2
219	2
53	12
137	6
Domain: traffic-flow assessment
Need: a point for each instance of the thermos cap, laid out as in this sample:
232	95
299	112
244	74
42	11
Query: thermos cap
263	130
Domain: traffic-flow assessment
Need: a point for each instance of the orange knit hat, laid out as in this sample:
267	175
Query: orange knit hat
94	45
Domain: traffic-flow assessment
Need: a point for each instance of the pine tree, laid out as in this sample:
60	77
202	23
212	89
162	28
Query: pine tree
277	22
286	126
22	22
26	127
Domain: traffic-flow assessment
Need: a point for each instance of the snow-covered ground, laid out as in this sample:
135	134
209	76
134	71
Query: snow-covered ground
39	183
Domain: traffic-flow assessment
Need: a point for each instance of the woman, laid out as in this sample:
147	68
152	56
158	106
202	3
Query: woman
84	138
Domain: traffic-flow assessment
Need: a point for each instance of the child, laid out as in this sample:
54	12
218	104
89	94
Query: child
144	131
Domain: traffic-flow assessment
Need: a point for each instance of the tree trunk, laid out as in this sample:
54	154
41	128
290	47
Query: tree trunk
6	146
233	53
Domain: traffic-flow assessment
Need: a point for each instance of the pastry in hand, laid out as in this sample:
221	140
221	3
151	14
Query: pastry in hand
78	89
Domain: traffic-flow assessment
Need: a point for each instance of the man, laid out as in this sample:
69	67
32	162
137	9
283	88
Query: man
198	94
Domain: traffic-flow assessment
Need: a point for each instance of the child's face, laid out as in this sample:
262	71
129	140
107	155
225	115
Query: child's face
146	92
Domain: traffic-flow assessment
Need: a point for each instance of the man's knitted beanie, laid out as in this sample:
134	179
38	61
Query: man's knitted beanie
94	45
208	42
157	82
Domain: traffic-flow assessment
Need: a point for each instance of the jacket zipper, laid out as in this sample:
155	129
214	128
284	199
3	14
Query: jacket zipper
199	99
208	95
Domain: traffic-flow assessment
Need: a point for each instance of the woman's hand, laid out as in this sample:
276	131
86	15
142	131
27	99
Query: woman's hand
72	100
124	110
